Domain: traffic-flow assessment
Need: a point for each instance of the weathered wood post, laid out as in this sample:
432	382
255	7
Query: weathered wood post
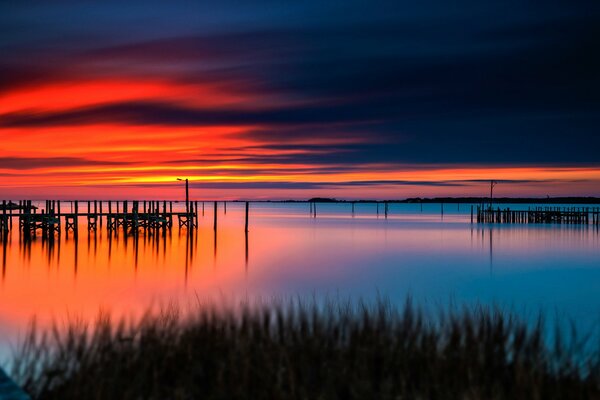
76	218
246	226
58	213
215	218
4	220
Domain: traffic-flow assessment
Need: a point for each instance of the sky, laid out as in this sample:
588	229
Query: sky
291	100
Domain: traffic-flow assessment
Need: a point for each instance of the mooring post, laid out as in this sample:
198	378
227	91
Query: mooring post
471	213
314	209
76	218
353	209
377	209
215	218
4	221
134	211
246	226
225	208
385	209
196	214
203	209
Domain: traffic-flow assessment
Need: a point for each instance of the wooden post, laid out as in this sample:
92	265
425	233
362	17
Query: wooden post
471	213
76	218
196	215
187	197
246	227
4	220
215	218
224	208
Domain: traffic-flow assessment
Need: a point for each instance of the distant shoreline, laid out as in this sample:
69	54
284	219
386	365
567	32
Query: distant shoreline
450	200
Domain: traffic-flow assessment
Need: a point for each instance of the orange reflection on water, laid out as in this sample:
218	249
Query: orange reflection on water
290	253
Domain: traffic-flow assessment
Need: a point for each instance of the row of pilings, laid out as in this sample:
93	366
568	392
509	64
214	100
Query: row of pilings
539	215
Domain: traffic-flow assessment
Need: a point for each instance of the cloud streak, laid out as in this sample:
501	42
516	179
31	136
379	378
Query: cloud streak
266	91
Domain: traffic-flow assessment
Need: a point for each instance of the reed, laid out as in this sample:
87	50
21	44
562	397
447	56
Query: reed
305	350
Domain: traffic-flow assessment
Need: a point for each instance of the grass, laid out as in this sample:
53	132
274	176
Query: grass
301	350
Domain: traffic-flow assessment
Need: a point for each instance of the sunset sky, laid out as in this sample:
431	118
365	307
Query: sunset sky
278	99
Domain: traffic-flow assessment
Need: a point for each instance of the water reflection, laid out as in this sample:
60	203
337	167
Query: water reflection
330	250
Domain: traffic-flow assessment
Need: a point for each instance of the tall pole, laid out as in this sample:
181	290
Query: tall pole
187	196
492	184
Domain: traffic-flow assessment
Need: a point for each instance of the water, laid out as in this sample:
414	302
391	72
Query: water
435	258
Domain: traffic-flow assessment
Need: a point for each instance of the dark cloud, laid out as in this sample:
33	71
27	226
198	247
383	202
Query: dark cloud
496	82
24	163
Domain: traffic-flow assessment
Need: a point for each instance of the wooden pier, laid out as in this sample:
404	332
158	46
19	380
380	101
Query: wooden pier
131	216
539	215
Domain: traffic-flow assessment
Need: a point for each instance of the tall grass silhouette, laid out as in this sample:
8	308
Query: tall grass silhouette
306	350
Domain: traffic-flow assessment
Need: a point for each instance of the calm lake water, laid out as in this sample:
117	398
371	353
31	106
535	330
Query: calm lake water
436	258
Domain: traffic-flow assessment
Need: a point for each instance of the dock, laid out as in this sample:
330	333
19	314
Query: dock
131	216
539	215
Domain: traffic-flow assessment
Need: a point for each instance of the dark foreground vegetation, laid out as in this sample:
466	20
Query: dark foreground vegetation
303	351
